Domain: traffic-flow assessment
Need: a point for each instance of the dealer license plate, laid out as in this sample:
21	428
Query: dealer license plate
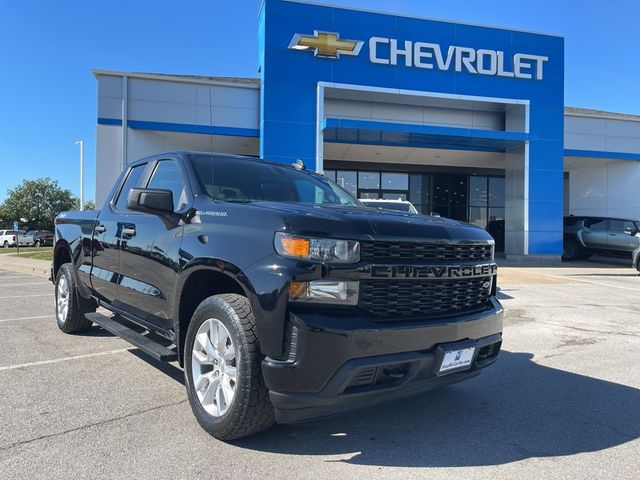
456	360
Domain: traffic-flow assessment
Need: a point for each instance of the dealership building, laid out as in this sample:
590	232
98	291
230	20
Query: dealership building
465	121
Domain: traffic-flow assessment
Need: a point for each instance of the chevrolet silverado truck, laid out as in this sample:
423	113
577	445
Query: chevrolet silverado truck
282	296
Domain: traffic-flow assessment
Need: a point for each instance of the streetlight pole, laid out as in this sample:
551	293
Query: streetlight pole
81	173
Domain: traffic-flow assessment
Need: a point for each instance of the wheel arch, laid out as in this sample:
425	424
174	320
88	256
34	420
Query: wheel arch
61	255
202	279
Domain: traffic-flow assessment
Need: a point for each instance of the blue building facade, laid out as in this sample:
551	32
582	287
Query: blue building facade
311	53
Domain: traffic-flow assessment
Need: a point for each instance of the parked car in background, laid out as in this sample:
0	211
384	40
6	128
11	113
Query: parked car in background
398	205
26	239
9	238
587	236
43	238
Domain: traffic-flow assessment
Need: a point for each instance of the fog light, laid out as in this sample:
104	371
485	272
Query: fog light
324	291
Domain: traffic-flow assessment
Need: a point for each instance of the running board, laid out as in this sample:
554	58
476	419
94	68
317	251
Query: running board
144	343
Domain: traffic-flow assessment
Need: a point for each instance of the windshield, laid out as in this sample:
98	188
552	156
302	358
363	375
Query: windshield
402	207
237	180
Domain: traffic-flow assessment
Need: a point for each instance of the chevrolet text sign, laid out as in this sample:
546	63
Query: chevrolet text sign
429	56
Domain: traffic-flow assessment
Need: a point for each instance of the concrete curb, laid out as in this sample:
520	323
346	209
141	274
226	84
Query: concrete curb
40	268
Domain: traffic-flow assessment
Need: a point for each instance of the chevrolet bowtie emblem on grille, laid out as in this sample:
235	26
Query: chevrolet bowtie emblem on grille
325	44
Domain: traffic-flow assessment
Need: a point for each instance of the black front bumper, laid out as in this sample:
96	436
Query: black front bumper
338	365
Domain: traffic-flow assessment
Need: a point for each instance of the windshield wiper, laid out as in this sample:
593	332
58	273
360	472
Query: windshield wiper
233	200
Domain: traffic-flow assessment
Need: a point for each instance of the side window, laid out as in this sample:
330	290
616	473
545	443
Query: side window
132	181
597	223
621	225
167	176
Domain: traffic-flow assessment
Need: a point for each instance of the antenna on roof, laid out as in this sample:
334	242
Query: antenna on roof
299	165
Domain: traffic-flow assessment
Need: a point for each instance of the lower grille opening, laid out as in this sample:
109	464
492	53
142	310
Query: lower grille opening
488	353
378	376
364	376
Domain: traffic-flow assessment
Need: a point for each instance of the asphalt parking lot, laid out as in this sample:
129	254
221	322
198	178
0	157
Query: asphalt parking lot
563	401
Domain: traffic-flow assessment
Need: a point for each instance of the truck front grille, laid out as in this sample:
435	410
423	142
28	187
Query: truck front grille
403	299
375	251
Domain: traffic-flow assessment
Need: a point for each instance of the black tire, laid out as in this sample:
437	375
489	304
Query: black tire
250	410
571	250
37	244
6	244
73	320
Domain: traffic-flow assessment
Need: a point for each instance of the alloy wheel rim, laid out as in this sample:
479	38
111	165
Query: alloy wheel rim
62	299
213	367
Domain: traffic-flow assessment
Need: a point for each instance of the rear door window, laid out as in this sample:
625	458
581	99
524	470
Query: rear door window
597	223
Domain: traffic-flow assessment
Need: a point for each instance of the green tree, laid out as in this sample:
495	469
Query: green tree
88	205
36	203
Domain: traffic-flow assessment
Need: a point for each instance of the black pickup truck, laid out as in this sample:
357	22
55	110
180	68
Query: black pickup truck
282	297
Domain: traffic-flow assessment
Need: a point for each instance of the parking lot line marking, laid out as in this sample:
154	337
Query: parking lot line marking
2	320
65	359
26	296
598	283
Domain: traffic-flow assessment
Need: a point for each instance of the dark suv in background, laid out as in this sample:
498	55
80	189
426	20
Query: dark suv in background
587	236
43	238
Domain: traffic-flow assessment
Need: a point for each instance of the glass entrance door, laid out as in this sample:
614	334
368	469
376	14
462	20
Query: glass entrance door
383	185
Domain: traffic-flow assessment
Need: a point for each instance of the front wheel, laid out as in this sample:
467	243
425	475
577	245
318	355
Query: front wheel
70	307
222	369
37	244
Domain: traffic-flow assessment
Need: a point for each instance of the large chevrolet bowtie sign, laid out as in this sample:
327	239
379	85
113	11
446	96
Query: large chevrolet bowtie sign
388	51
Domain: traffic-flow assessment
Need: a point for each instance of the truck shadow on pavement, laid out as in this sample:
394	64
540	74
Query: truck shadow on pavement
515	410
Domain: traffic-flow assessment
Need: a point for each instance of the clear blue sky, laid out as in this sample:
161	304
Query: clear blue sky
48	48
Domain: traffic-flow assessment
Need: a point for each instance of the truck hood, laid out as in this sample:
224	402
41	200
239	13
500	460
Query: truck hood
370	223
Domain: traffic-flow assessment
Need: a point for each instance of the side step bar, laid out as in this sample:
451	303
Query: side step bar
144	343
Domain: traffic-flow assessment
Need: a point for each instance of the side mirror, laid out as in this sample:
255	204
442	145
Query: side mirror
630	230
150	200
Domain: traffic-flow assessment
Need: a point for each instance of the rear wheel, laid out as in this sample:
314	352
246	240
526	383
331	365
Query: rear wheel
70	307
37	244
222	369
571	250
6	244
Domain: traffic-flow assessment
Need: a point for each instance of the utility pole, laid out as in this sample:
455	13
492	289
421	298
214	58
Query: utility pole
81	173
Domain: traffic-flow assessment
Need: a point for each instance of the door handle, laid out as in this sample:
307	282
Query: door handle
128	232
101	229
612	234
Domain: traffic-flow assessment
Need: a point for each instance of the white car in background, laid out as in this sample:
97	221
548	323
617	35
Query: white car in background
388	204
8	238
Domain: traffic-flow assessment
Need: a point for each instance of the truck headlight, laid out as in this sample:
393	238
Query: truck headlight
324	291
318	249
